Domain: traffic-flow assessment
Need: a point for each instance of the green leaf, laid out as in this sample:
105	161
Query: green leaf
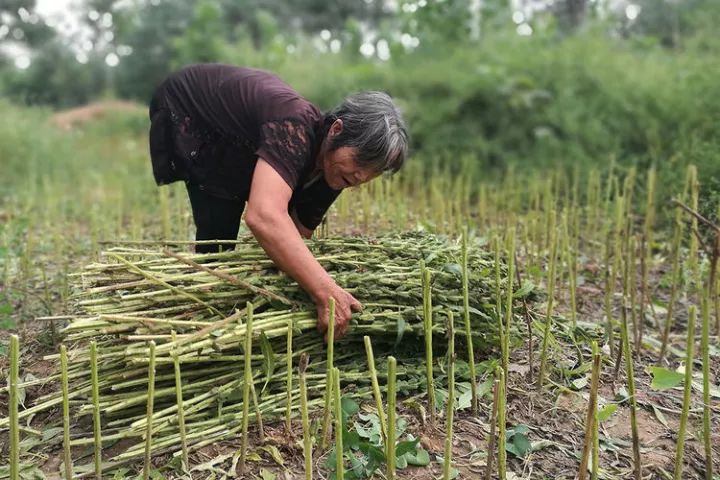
520	444
420	458
373	452
580	383
273	451
268	359
266	474
331	460
527	288
156	475
121	473
659	415
349	407
484	388
606	412
517	429
664	379
406	447
351	440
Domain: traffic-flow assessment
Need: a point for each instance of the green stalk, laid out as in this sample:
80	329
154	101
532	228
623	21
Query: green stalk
391	393
677	273
150	408
704	347
67	457
595	447
246	386
493	423
325	432
258	414
689	348
591	417
289	380
550	298
427	325
616	263
609	288
509	304
631	390
447	460
502	435
466	315
307	439
339	466
498	301
646	247
180	413
572	272
13	408
96	409
375	387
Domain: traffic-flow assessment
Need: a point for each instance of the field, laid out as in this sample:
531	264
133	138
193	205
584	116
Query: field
614	284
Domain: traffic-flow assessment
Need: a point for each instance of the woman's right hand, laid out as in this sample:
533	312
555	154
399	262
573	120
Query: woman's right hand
345	305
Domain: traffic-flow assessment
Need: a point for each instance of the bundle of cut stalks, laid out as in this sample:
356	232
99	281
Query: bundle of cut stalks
193	307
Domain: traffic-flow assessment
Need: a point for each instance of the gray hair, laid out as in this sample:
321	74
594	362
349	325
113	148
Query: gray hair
373	125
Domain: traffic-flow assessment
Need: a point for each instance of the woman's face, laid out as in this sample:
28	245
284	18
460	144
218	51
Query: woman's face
339	166
342	171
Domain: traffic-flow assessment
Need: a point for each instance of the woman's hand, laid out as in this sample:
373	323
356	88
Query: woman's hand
345	304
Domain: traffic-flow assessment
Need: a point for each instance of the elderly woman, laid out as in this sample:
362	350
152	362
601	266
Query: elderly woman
240	135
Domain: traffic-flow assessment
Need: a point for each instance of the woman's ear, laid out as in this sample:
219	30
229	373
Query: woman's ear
336	127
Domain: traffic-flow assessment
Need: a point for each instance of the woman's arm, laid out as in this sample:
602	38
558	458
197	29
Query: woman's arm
268	219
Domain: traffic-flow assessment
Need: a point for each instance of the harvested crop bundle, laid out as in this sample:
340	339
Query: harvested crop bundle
195	308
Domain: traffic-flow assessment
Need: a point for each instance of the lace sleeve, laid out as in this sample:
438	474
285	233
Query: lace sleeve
286	146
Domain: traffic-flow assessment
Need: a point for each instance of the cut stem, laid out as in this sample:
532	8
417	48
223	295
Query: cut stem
67	457
627	353
150	407
246	386
689	348
550	298
325	432
707	413
447	459
591	417
375	387
339	466
391	393
13	408
493	423
289	380
427	327
468	331
502	454
307	439
96	409
180	412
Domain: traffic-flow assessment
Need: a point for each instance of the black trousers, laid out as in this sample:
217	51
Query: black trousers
215	219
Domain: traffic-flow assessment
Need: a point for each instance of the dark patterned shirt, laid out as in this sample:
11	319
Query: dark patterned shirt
211	122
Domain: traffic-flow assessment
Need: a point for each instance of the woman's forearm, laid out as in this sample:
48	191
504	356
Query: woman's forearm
279	237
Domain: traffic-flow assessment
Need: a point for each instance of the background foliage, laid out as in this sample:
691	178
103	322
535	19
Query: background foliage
595	82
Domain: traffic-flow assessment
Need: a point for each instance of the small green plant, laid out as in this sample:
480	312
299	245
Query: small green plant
363	446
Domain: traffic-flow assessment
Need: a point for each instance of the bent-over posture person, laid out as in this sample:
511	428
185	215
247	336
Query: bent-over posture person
239	135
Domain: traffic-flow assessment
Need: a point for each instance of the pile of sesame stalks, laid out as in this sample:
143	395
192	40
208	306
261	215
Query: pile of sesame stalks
194	308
